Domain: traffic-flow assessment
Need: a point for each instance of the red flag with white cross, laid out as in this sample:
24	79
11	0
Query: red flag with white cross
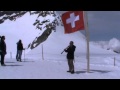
73	21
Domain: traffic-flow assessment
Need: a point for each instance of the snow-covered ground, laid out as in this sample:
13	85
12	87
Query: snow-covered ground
53	64
101	67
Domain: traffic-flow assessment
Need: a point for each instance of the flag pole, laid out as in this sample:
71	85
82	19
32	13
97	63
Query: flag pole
87	40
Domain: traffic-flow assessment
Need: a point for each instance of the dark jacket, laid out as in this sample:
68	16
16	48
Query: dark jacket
2	47
70	52
19	46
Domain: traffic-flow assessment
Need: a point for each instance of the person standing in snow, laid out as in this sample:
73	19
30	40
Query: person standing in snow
2	50
19	50
70	56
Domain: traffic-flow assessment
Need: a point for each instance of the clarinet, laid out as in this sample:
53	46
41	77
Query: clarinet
64	49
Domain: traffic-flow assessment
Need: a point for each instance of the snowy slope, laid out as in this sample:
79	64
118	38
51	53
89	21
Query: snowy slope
57	41
22	29
54	65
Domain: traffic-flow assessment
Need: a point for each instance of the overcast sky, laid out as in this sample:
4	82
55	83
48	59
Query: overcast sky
103	25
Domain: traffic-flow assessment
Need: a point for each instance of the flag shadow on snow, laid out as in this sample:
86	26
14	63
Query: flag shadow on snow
13	65
78	72
10	62
92	71
28	61
101	71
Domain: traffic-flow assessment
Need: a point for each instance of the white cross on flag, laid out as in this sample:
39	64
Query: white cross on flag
73	21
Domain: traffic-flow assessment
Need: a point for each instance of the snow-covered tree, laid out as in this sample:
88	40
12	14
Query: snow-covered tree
48	25
13	15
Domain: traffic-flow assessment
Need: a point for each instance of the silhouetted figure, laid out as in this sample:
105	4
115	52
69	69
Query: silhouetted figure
70	56
19	50
2	50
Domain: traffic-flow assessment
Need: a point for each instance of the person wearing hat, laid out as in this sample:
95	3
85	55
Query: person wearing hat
70	56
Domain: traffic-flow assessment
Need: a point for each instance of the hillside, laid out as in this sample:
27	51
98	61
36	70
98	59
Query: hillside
23	29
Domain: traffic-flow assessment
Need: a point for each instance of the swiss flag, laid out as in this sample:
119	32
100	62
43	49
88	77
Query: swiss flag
73	21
